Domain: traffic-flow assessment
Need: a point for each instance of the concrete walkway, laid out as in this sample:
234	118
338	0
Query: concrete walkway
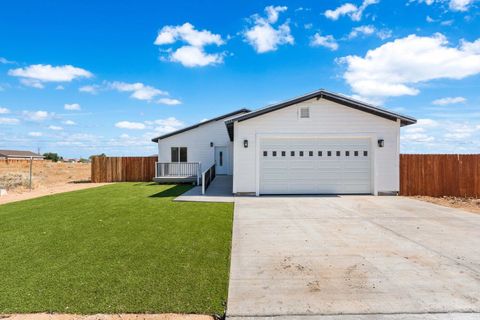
220	190
353	257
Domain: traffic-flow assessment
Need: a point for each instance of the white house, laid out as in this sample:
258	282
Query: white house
319	143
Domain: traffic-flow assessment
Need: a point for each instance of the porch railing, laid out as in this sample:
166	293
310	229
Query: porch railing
207	178
178	169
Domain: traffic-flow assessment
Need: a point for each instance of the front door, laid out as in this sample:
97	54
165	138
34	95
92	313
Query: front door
221	160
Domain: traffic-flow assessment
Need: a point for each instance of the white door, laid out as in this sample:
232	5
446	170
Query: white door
221	160
315	166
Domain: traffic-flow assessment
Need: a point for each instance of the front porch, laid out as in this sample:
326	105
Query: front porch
178	172
220	190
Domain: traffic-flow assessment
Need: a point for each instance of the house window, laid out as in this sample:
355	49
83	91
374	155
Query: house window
304	113
347	153
365	153
292	153
355	153
310	153
265	153
301	153
329	153
319	153
338	153
283	153
274	153
179	154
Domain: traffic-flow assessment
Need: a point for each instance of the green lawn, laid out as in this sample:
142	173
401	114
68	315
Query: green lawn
119	248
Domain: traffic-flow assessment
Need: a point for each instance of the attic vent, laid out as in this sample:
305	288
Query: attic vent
304	113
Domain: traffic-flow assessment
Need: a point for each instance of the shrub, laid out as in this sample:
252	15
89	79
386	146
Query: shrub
11	181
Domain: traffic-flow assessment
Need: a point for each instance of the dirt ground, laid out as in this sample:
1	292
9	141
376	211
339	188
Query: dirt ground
48	316
468	204
48	178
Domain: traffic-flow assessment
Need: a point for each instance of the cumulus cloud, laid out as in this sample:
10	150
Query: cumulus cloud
35	134
192	53
169	101
38	74
130	125
138	90
355	13
4	110
72	106
10	121
36	115
55	128
324	41
394	68
368	30
163	126
69	122
460	5
449	100
92	89
263	36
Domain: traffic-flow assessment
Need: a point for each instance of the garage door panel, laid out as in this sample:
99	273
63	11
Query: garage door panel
311	166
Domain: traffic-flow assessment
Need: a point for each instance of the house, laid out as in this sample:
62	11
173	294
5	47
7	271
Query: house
318	143
19	155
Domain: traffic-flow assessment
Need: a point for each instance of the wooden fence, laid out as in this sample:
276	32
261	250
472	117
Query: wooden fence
440	175
122	169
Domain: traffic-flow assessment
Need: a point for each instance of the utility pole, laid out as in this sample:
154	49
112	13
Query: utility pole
31	165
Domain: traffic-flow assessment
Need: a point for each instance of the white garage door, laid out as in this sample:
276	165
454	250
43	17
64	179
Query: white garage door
315	166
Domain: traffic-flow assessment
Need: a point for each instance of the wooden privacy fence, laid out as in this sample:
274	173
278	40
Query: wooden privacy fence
122	169
440	175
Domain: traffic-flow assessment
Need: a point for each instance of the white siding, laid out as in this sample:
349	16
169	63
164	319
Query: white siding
198	143
327	119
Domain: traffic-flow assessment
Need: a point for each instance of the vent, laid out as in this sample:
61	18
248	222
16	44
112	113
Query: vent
304	113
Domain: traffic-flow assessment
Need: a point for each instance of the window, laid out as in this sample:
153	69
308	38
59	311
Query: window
304	113
319	153
338	153
365	153
310	153
274	153
329	153
292	153
283	153
265	153
178	154
347	153
220	155
355	153
301	153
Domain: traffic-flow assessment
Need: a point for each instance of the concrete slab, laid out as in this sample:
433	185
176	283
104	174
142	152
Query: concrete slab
404	316
357	255
220	190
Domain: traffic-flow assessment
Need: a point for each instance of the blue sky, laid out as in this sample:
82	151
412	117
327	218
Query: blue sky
85	77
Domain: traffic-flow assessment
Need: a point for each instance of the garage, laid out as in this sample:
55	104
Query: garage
315	166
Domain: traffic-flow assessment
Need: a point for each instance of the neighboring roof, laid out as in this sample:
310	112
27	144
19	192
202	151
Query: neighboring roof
327	95
231	114
19	154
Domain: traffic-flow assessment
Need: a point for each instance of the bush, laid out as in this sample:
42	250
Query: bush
11	181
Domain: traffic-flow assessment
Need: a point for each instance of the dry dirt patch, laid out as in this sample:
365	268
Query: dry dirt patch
48	316
468	204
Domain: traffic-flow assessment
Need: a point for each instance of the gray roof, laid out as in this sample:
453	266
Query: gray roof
230	114
19	154
327	95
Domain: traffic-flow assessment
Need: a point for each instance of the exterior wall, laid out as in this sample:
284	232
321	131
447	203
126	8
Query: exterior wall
327	119
198	143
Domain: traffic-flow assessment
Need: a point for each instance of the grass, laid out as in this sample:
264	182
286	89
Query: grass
119	248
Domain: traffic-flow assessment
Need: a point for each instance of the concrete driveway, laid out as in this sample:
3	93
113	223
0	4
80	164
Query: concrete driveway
354	255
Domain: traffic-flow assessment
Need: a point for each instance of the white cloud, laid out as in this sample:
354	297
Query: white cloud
169	101
130	125
4	110
394	68
139	90
324	41
36	115
263	36
35	134
459	131
9	121
72	106
355	13
162	126
55	128
69	122
93	89
425	123
5	61
449	100
460	5
361	30
192	54
36	75
59	87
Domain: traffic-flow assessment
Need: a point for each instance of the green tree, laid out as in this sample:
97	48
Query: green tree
52	156
97	155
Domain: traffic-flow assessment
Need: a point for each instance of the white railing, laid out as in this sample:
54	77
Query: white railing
207	178
178	169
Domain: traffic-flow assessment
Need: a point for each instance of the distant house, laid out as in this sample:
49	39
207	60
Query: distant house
19	155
